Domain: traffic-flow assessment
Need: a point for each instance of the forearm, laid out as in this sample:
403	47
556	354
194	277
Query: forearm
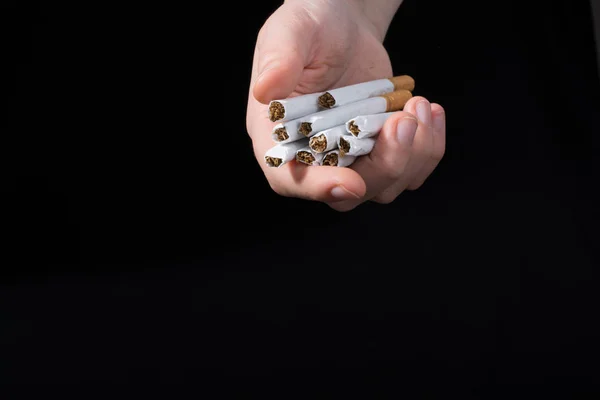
377	13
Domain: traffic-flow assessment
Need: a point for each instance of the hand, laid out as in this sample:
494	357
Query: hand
313	46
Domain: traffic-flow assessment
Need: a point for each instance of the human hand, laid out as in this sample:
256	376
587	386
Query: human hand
313	46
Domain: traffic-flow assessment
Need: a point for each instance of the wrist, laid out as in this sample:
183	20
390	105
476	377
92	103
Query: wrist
377	14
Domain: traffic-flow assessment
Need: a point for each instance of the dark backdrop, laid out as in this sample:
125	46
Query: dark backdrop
140	240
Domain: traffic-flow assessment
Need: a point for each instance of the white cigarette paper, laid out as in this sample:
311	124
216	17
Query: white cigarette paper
360	91
306	156
351	146
287	132
327	140
320	121
281	154
327	119
334	159
294	107
365	126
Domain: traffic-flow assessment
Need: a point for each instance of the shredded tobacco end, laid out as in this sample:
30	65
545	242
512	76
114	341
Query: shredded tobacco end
326	100
305	128
305	157
353	128
331	160
318	143
344	146
281	134
276	111
273	162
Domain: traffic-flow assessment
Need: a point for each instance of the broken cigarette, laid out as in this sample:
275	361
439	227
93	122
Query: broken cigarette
334	159
327	140
287	132
351	146
306	156
294	107
365	126
360	91
323	120
283	153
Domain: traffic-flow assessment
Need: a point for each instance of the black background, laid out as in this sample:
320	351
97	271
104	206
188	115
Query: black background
132	252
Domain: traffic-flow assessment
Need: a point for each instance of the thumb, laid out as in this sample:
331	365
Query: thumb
282	50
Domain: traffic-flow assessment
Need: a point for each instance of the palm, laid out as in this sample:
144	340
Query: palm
344	56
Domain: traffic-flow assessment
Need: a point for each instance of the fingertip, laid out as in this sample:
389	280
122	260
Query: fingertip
411	105
437	110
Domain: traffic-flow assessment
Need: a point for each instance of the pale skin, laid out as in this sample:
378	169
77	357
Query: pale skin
309	46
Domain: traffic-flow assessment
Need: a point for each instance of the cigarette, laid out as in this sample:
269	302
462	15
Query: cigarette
286	132
351	146
360	91
295	107
326	140
334	159
320	121
306	156
281	154
364	126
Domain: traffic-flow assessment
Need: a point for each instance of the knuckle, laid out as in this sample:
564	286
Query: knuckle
262	32
425	157
388	168
263	35
385	198
390	194
415	185
393	172
438	154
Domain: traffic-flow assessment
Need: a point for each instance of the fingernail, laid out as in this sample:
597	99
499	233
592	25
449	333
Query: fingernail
405	131
438	122
341	193
424	112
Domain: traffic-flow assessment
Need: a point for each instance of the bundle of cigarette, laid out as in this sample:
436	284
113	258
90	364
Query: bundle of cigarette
335	127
